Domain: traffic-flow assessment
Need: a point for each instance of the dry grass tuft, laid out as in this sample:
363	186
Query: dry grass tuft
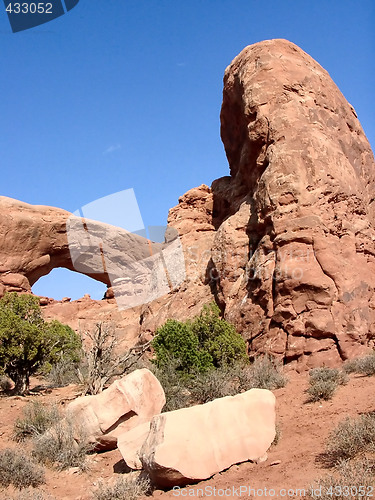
19	470
129	487
324	382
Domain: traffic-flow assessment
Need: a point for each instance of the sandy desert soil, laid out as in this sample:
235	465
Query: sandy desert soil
291	464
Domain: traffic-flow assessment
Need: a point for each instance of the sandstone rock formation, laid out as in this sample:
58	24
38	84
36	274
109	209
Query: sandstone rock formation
285	244
301	190
191	444
38	239
129	402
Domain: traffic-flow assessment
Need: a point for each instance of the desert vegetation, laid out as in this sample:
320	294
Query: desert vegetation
19	470
37	418
349	453
199	345
28	343
351	437
130	487
204	359
63	446
349	479
54	440
363	366
31	494
101	361
324	382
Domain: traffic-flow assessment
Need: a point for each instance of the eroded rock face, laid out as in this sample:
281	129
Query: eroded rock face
36	239
285	244
295	254
191	444
194	222
127	403
33	242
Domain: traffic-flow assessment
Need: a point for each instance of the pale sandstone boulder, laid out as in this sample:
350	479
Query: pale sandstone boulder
192	444
128	402
130	444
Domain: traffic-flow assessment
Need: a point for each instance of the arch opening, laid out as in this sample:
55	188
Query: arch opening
61	282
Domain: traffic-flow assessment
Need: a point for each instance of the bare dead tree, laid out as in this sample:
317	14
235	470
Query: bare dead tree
100	361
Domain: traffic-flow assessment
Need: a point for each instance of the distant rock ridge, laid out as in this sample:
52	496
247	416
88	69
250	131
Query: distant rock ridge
285	244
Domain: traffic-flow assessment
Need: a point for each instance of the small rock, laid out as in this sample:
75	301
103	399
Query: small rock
73	470
275	462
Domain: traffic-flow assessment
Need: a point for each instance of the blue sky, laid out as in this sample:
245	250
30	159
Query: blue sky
121	94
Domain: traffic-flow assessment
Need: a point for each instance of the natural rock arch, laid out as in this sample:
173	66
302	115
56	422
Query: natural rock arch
37	239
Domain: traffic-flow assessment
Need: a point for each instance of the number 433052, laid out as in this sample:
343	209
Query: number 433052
29	8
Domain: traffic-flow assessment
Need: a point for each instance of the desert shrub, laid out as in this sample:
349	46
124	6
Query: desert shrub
216	383
364	366
27	342
324	382
349	438
263	373
218	337
177	393
175	340
266	373
202	344
198	388
204	359
19	470
130	487
64	445
36	419
349	479
63	373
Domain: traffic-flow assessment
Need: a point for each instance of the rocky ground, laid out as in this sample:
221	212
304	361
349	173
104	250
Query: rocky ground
291	464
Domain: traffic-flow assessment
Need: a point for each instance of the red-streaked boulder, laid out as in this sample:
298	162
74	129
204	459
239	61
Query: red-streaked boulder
191	444
128	402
